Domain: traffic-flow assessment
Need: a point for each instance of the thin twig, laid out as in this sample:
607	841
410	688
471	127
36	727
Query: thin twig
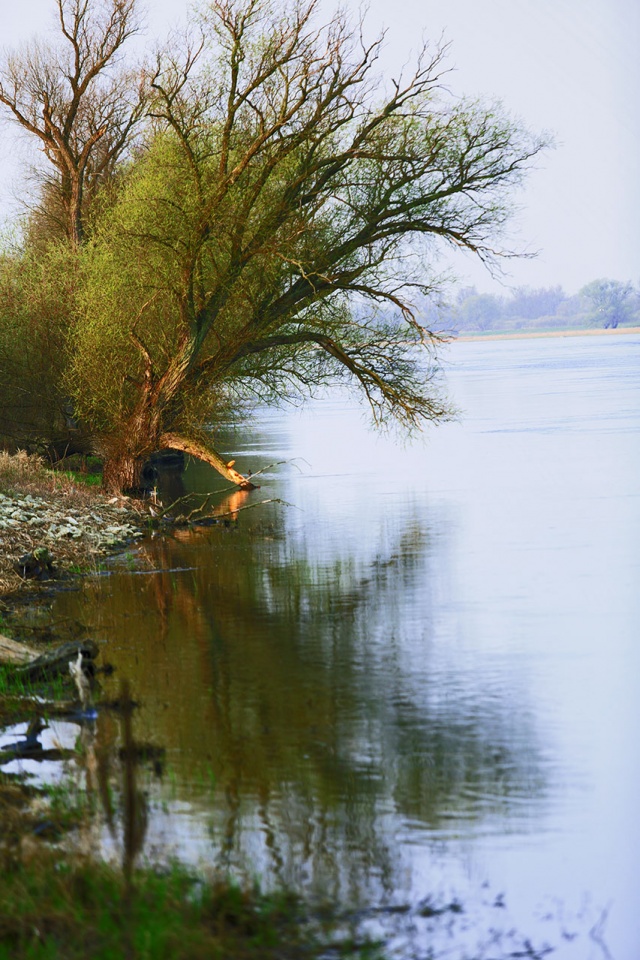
248	506
226	489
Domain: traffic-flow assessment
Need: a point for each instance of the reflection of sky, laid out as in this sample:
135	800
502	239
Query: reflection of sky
534	509
551	513
58	735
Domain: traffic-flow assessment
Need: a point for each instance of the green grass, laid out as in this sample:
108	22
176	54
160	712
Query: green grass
14	684
54	910
77	476
18	695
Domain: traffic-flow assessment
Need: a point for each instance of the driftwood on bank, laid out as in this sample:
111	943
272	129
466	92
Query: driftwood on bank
34	665
13	652
54	663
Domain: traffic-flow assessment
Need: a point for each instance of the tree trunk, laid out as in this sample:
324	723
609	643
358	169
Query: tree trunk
126	451
123	472
11	651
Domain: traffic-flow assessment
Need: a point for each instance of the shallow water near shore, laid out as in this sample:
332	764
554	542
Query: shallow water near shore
420	679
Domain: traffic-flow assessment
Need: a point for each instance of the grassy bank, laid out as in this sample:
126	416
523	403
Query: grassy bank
54	909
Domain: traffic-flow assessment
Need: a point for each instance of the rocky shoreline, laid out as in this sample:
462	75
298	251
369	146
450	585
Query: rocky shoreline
76	527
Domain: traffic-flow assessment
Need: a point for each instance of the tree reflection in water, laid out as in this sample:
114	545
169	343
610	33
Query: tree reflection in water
310	688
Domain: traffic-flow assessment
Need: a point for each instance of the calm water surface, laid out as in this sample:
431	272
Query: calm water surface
420	678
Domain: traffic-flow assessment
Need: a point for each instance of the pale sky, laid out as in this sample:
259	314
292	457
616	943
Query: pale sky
568	66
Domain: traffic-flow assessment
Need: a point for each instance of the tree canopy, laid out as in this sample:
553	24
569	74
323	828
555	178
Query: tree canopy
271	227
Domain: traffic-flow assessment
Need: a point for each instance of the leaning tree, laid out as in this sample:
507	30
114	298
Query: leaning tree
274	229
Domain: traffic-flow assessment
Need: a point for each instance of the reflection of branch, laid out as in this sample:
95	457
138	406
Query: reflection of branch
249	506
235	498
188	497
233	512
280	463
228	489
226	513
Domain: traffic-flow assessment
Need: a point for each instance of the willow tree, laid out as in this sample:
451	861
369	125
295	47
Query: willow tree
274	230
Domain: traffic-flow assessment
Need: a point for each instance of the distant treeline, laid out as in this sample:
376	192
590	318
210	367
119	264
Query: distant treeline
601	303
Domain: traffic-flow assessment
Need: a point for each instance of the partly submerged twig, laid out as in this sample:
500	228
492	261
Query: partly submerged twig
249	506
199	509
226	489
280	463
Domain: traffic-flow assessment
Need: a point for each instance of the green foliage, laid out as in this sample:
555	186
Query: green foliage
133	286
53	910
269	235
480	310
602	303
37	309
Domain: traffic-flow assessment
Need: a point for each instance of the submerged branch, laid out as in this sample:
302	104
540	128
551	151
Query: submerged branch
208	455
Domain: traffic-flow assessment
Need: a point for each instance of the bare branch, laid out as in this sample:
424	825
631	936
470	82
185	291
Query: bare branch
75	99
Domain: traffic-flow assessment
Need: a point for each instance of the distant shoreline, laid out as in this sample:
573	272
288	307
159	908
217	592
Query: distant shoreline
536	334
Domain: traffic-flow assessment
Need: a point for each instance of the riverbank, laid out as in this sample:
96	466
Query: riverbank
74	522
60	899
540	334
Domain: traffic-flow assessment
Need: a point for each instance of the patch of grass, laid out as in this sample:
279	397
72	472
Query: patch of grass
88	479
89	568
18	469
56	909
23	473
14	684
84	470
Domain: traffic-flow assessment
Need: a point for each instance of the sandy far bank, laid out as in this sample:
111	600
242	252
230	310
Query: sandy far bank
537	335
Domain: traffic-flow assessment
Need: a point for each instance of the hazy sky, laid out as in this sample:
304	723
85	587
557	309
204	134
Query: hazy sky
568	66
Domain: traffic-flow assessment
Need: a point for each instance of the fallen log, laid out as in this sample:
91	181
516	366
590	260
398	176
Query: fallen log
14	652
54	663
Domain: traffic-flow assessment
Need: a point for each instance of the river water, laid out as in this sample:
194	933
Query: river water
418	680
